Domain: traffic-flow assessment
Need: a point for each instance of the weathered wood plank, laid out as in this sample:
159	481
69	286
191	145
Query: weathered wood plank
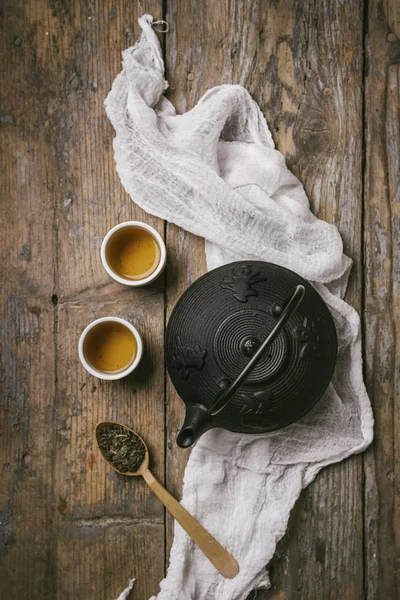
121	550
303	64
61	195
382	314
85	486
26	448
92	201
91	198
27	364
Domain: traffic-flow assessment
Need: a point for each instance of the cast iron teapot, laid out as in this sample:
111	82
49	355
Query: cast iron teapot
250	347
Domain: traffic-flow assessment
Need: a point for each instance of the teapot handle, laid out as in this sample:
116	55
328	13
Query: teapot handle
285	314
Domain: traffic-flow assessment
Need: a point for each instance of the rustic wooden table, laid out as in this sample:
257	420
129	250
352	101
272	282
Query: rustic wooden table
326	74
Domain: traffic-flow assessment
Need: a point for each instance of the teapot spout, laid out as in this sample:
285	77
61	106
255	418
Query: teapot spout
197	421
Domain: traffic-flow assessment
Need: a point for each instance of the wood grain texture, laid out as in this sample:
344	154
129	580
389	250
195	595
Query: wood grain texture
382	306
85	487
70	528
302	62
27	365
132	547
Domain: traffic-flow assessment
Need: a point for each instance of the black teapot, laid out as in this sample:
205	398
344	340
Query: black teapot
250	347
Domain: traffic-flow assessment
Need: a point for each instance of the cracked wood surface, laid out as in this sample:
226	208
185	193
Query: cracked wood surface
326	76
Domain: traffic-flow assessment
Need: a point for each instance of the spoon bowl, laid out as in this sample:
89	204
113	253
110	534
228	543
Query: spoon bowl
145	462
216	554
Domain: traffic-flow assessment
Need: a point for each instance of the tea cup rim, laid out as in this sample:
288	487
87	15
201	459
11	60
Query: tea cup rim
134	282
101	374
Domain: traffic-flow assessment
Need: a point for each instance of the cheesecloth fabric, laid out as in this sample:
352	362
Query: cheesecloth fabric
215	172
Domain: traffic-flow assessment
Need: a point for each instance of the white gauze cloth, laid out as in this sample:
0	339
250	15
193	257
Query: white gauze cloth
214	171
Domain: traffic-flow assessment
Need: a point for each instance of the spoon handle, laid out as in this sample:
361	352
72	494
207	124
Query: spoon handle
220	558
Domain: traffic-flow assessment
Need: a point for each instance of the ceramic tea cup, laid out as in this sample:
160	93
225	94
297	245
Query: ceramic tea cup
110	348
133	253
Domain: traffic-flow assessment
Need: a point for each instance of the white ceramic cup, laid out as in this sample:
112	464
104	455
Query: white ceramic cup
119	374
134	282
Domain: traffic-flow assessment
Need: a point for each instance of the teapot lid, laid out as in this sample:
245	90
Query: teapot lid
220	322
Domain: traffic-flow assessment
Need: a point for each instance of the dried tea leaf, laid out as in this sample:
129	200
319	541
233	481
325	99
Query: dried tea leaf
123	448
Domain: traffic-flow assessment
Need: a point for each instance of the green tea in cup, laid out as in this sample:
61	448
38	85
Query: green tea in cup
133	253
110	348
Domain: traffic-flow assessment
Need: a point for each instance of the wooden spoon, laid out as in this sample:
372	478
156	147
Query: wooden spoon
220	558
